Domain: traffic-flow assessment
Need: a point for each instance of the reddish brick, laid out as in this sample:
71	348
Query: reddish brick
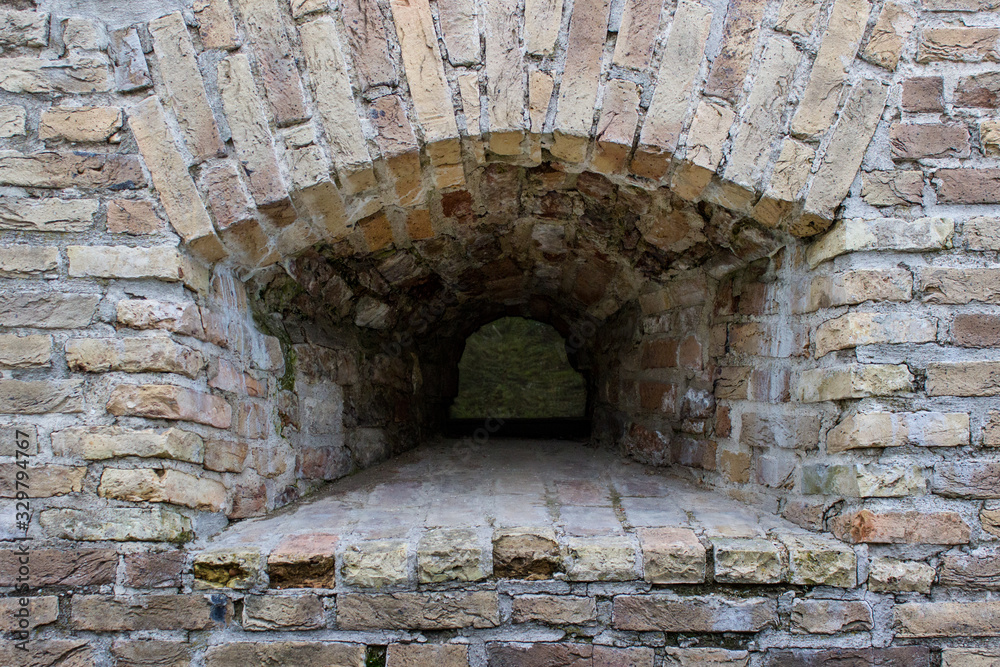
901	528
154	570
968	186
976	330
923	94
911	141
659	353
61	567
978	90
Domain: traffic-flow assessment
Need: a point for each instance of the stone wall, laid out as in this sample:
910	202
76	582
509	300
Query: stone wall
244	241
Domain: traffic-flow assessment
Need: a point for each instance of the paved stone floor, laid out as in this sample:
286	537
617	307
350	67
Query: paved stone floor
573	488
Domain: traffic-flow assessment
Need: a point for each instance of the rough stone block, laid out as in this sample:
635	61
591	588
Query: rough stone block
157	354
894	429
891	575
161	569
969	657
150	652
911	527
418	655
118	524
864	481
969	479
526	553
554	609
857	329
829	617
918	141
79	169
856	234
85	124
600	559
815	560
43	481
375	564
947	619
36	397
301	653
975	378
672	556
917	656
855	381
892	188
958	43
71	566
25	351
303	561
282	612
161	401
449	555
747	561
161	485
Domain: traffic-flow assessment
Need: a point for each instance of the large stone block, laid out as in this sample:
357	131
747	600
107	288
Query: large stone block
303	561
162	401
161	485
856	235
890	575
894	429
829	617
36	397
600	559
105	442
157	354
855	381
113	171
299	653
282	612
747	561
672	556
375	564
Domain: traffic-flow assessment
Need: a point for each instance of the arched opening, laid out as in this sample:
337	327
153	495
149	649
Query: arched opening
516	373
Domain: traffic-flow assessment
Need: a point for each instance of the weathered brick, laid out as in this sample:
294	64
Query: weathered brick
917	656
541	32
640	22
955	43
554	609
119	524
133	216
797	17
747	561
968	186
34	397
959	285
25	351
251	136
913	141
885	44
239	567
43	481
816	560
739	36
12	121
860	285
923	94
947	619
911	527
539	654
863	481
828	617
968	479
449	555
150	653
184	318
969	657
982	233
169	173
77	74
977	569
51	652
892	188
149	612
264	23
23	28
672	556
216	24
40	610
94	124
160	262
779	430
114	171
599	559
889	574
170	402
978	90
162	569
976	378
282	612
855	381
61	567
417	655
857	329
303	561
48	215
161	485
526	553
179	69
894	429
991	430
285	653
669	613
839	46
420	611
375	564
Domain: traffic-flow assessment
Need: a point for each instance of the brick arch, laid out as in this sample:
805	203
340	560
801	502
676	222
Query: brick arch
353	124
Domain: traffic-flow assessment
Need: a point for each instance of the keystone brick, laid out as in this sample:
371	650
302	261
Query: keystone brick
285	653
962	44
179	69
855	381
93	124
169	173
504	63
668	613
901	528
947	619
161	485
114	171
890	575
894	429
47	215
554	609
828	617
418	611
36	397
303	561
954	285
276	57
969	479
282	612
170	402
839	46
977	378
25	351
119	524
857	329
149	612
911	141
923	94
672	556
44	481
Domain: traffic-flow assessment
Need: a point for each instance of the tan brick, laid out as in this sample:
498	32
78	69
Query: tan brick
790	174
504	63
282	612
599	559
959	285
847	146
913	141
133	216
34	397
12	121
147	612
24	28
857	329
104	442
976	330
863	481
94	124
817	560
640	24
969	479
38	611
895	429
42	482
184	318
78	74
335	100
968	186
855	235
460	32
449	555
962	44
669	613
216	24
26	261
554	609
120	524
840	43
251	136
169	173
892	188
682	57
970	657
25	351
923	94
946	619
162	486
52	215
828	617
747	561
978	90
910	527
133	355
115	171
160	262
709	130
616	127
264	23
860	285
541	32
417	655
854	381
422	611
889	574
375	564
179	69
885	44
780	430
148	652
366	36
285	653
170	402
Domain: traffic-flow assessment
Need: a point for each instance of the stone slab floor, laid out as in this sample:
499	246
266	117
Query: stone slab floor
575	489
